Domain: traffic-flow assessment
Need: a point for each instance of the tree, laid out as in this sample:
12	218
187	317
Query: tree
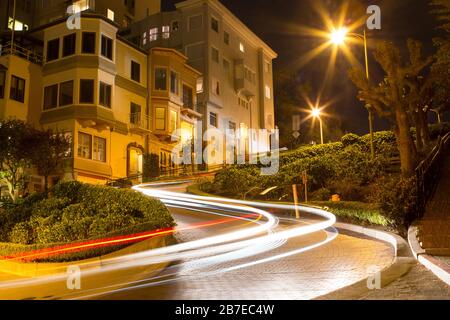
391	98
16	147
49	153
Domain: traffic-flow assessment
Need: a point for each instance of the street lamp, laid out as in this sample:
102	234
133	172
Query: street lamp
316	113
338	37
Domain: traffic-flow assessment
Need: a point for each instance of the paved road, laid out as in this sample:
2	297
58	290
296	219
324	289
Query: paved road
305	276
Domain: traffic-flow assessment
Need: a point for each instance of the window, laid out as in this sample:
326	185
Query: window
17	91
99	151
195	51
215	25
200	85
18	25
66	93
216	87
144	38
2	84
213	119
107	47
215	55
226	38
241	47
135	71
161	79
135	113
50	97
173	82
187	97
160	118
175	26
232	125
88	42
195	22
267	66
84	145
69	43
110	15
173	121
105	95
52	50
86	91
226	67
268	92
166	32
153	34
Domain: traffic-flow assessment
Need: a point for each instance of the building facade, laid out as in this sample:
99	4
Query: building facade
236	90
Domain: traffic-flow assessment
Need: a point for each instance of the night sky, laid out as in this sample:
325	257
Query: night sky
275	22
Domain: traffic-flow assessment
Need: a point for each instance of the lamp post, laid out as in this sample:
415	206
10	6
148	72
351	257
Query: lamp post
338	38
317	114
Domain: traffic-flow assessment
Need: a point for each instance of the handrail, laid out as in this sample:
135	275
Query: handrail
427	174
9	49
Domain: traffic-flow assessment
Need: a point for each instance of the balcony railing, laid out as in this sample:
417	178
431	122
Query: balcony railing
9	49
139	121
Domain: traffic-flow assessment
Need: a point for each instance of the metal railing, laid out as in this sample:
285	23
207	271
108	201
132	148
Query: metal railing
139	120
428	172
9	49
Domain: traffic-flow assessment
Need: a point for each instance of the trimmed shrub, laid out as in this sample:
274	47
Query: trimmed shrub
322	194
350	139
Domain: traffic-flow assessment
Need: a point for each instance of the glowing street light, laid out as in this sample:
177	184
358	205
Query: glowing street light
338	37
316	113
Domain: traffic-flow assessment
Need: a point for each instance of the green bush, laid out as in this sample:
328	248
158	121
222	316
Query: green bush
350	139
76	212
397	198
322	194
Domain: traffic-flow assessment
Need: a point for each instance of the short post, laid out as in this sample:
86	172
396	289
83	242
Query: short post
297	211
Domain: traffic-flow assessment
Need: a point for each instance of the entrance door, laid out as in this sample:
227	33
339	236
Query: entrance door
136	163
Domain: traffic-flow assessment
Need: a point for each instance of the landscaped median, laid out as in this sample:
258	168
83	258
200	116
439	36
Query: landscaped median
75	222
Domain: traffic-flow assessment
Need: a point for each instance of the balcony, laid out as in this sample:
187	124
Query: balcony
244	79
139	123
9	49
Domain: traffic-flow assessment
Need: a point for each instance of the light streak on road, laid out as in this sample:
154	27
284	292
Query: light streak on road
257	236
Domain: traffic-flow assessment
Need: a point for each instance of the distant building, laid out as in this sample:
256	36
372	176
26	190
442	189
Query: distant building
236	90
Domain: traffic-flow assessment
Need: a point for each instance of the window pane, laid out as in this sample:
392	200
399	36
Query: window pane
105	95
173	82
135	71
50	97
17	91
226	38
88	42
215	54
160	119
213	119
84	145
187	97
2	84
69	44
53	50
99	152
107	45
66	93
173	121
135	114
215	25
86	91
160	79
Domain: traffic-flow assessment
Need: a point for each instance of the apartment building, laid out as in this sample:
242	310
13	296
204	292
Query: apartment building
31	14
236	90
104	93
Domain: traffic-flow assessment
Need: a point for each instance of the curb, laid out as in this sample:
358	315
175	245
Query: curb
402	264
19	269
439	269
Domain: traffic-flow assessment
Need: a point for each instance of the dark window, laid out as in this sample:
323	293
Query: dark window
17	91
50	97
135	71
175	26
2	84
226	38
66	93
69	43
161	79
187	97
213	119
53	50
215	24
135	113
88	45
105	95
173	82
84	145
107	47
86	91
